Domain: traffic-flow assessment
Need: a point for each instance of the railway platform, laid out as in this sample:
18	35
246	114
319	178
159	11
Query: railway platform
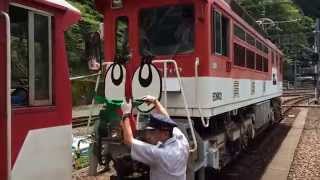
280	165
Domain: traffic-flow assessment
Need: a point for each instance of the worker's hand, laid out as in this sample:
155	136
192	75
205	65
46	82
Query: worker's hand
149	99
126	107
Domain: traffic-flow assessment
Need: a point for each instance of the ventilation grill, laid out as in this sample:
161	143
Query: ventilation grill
236	88
264	86
253	87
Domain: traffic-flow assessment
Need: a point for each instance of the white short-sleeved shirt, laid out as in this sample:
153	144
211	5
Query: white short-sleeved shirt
167	161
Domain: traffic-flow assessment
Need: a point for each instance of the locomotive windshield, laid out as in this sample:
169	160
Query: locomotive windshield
167	30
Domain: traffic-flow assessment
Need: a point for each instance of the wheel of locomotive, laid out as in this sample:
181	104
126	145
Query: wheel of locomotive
251	131
245	137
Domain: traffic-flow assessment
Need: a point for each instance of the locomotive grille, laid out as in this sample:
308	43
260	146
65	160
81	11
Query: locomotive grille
253	87
236	89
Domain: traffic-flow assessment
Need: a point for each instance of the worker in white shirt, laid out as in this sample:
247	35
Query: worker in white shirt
166	149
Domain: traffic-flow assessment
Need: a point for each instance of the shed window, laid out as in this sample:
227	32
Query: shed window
221	34
250	60
259	62
31	57
239	55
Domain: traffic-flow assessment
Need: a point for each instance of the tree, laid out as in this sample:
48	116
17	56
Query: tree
292	31
78	36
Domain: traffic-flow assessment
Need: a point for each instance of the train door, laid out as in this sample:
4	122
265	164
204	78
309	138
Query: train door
3	93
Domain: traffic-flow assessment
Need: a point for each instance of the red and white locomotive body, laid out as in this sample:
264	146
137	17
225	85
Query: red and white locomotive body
239	72
221	78
35	140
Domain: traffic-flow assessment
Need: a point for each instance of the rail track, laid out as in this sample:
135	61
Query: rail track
83	121
252	163
290	103
290	93
259	154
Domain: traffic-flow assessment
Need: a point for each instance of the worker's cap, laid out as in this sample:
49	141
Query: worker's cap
160	121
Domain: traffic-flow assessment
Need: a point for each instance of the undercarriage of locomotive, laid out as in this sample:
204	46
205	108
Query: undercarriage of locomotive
225	138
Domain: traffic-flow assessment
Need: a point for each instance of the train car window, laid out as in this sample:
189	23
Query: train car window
239	55
19	56
42	62
225	35
259	45
31	57
221	34
265	49
217	32
250	39
167	30
122	38
259	62
265	65
239	32
250	59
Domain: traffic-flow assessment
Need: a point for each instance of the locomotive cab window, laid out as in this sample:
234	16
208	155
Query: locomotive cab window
122	38
167	30
31	57
220	33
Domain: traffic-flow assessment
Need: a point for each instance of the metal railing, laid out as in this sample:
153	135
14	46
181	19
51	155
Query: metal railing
9	120
205	121
165	63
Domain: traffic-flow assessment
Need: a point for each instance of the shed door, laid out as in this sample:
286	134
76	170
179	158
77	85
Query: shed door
3	162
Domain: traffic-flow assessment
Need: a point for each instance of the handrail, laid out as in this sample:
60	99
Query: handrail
8	34
196	76
184	99
165	75
83	77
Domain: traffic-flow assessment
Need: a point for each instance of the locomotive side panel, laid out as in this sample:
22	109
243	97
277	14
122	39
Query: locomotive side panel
241	72
3	93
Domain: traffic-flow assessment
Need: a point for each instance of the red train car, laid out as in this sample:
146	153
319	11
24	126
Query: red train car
35	121
228	74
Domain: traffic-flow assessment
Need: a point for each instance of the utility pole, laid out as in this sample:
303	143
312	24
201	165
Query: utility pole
317	50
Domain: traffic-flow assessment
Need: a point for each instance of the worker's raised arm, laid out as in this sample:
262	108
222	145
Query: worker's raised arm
158	105
125	124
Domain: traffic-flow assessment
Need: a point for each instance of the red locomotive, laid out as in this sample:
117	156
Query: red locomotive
221	75
221	78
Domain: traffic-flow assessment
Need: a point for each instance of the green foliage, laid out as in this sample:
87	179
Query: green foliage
293	36
77	39
78	35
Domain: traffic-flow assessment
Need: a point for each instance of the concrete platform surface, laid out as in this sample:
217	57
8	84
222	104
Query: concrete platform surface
279	167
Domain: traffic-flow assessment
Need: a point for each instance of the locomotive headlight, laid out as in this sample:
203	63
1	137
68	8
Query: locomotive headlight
116	4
